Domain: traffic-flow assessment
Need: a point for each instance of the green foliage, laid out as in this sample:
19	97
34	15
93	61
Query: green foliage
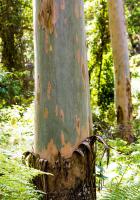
99	55
128	192
15	179
16	33
16	128
16	88
133	15
16	52
123	172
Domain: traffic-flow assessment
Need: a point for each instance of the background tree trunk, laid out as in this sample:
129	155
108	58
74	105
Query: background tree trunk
62	118
121	64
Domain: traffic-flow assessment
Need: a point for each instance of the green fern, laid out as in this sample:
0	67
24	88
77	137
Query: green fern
15	180
131	192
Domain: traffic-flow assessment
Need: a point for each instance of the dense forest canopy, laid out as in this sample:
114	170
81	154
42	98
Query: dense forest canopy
121	180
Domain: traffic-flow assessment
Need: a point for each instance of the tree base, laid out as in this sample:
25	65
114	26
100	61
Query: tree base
70	179
83	192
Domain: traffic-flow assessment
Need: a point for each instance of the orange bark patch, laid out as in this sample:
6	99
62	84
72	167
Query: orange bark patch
50	153
62	4
61	114
62	138
47	20
77	125
66	150
76	9
46	113
52	149
49	90
46	15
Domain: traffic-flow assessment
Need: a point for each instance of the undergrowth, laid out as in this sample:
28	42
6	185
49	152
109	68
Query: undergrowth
16	136
120	180
15	180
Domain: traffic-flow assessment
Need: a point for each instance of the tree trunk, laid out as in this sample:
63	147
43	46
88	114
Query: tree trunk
121	65
62	111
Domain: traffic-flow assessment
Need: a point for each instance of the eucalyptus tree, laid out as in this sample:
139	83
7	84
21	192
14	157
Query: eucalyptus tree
62	111
121	68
